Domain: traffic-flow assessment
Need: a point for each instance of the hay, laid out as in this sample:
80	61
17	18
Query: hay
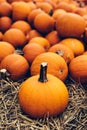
13	118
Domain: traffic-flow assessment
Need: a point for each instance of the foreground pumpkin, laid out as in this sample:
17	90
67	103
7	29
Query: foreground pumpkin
78	68
43	95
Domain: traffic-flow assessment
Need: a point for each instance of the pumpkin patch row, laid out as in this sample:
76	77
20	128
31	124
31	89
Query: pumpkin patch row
42	42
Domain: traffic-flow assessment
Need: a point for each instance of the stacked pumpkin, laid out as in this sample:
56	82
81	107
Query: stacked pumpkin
44	40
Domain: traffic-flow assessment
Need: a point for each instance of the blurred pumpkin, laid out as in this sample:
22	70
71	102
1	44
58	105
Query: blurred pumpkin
43	95
78	69
70	25
56	65
15	36
44	23
5	49
5	23
76	45
41	41
22	25
16	65
5	9
32	50
63	51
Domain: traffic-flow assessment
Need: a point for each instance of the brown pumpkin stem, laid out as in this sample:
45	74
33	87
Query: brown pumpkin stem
43	72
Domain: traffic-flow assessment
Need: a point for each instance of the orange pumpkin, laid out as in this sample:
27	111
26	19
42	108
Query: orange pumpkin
41	41
74	44
20	10
32	50
56	65
43	95
22	25
5	9
16	65
63	51
5	49
70	25
5	23
53	37
15	36
78	69
44	23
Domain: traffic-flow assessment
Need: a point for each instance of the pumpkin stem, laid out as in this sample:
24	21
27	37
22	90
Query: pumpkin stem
43	72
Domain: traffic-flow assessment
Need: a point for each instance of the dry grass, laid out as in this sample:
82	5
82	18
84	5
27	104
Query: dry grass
13	118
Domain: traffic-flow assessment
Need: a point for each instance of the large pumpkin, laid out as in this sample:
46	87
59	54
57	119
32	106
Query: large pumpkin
43	95
70	25
78	68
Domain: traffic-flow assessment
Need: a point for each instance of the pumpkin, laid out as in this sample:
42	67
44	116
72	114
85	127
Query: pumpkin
5	8
56	65
44	23
43	95
16	65
76	45
5	49
63	51
15	36
5	23
70	25
20	10
22	25
32	50
45	6
41	41
53	37
78	68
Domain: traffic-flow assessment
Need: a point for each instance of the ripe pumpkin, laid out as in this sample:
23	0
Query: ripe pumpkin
56	65
32	33
5	23
32	15
5	49
41	41
16	65
15	36
5	9
44	23
53	37
45	6
43	95
74	44
70	25
78	68
63	51
22	25
20	10
32	50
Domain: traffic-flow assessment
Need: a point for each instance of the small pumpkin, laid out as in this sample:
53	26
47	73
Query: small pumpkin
78	68
16	65
63	51
43	95
5	49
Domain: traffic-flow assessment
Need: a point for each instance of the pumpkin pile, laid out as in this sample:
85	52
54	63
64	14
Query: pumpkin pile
36	32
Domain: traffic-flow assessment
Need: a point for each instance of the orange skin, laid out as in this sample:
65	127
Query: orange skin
43	98
56	65
16	65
